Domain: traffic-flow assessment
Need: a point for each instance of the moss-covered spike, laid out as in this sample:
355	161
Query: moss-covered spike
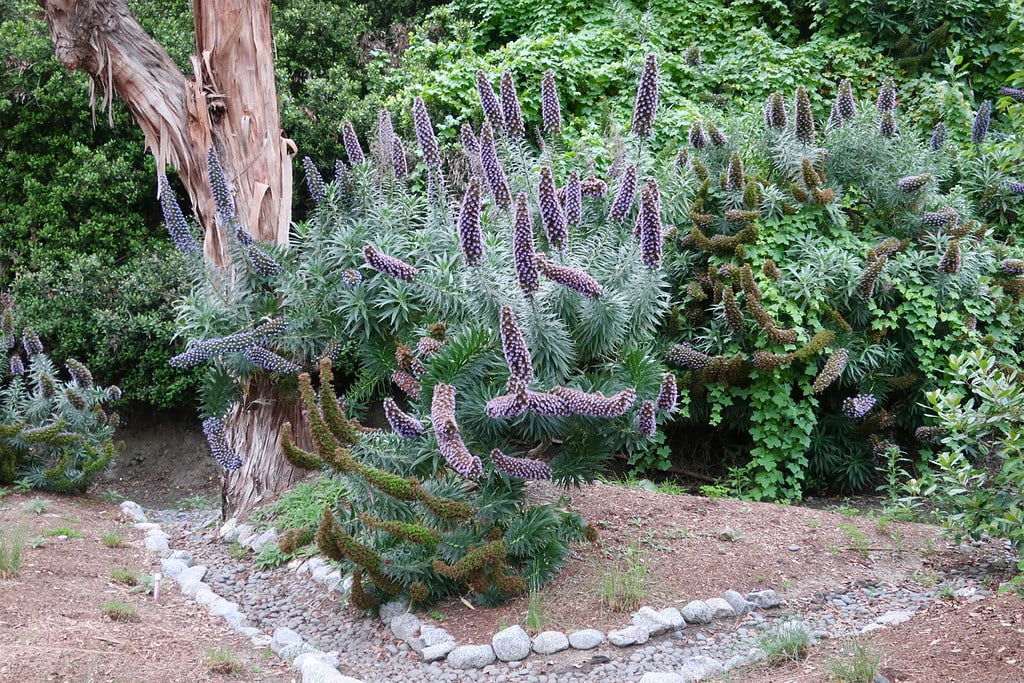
43	434
358	596
818	343
340	460
304	460
809	174
414	533
9	431
325	536
293	539
733	314
391	484
508	583
446	508
590	533
418	593
771	269
342	428
323	440
748	284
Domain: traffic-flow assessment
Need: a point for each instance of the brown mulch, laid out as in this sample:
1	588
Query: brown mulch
52	626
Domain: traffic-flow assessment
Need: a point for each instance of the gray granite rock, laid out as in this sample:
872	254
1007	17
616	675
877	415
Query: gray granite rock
587	639
268	537
244	533
739	604
700	668
720	608
330	660
651	620
893	617
434	653
390	610
550	642
332	580
471	657
631	635
228	530
282	638
657	677
315	671
405	626
292	651
235	620
511	644
308	566
320	574
765	599
205	596
170	567
183	556
157	545
220	607
433	635
133	511
674	618
697	612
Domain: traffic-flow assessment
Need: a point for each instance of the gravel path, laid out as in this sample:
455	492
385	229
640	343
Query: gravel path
366	649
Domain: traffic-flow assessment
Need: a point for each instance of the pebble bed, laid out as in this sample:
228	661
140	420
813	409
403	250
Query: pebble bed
368	650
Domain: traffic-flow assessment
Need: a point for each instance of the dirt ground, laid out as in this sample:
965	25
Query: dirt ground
52	626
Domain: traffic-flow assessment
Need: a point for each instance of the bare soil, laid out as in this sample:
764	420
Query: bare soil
52	626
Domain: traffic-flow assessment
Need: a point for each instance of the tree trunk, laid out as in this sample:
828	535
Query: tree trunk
230	104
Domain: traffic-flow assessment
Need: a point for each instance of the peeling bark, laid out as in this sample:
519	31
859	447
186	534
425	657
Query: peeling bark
230	103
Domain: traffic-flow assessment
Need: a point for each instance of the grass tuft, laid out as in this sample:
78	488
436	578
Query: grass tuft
623	584
62	531
223	661
860	667
115	610
124	576
11	545
787	642
112	540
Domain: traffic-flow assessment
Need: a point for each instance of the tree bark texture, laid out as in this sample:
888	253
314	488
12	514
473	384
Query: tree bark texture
230	103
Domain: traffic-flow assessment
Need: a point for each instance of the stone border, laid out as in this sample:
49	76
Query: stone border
511	645
314	665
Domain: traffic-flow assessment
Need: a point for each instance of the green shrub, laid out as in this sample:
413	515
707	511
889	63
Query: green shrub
976	478
54	433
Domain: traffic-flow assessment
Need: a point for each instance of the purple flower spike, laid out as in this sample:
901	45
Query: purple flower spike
219	187
385	135
520	468
352	148
573	200
492	168
513	345
488	100
572	278
856	407
513	114
389	265
470	145
646	422
551	214
398	161
624	199
650	225
405	425
314	181
646	99
470	234
668	394
522	248
550	106
213	428
425	134
177	226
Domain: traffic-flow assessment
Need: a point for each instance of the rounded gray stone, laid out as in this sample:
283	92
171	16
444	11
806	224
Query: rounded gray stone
739	604
511	644
434	635
390	610
765	599
658	677
171	567
471	657
282	638
651	620
700	668
697	612
157	545
183	556
674	618
405	626
587	639
720	608
550	642
631	635
434	653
